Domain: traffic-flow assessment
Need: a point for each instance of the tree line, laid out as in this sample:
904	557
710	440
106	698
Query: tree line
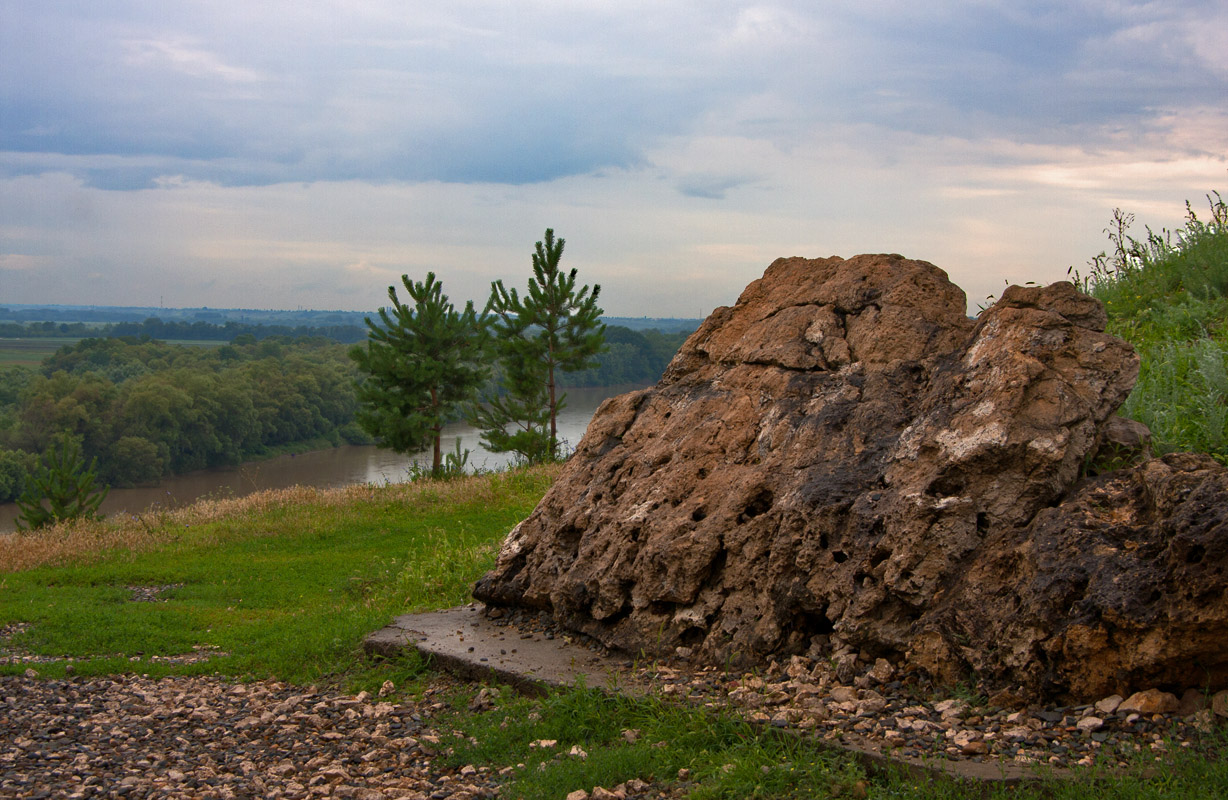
98	315
198	331
146	409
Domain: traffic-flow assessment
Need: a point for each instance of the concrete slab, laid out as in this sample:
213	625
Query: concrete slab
463	641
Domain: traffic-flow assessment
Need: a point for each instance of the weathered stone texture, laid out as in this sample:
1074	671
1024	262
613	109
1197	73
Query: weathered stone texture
1124	585
826	464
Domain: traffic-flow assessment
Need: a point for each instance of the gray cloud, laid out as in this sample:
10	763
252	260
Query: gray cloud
252	144
709	187
274	92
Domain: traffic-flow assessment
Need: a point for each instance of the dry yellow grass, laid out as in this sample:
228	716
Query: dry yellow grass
78	541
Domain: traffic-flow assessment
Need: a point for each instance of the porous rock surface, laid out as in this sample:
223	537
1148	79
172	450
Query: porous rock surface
1124	585
845	462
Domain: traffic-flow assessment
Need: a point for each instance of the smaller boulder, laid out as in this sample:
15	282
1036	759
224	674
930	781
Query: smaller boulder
1121	442
1150	701
1109	704
1219	703
1191	702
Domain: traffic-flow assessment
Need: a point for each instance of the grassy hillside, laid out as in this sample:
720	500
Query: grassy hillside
1167	293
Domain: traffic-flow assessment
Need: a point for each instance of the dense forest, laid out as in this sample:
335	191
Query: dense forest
81	321
630	357
675	330
146	409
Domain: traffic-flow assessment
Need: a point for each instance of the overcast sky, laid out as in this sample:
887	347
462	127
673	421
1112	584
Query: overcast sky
243	153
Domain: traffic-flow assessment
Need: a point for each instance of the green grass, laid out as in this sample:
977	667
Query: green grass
29	352
287	590
1168	295
723	756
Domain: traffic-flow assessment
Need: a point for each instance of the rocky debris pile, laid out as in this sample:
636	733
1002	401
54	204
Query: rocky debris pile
151	594
881	713
619	792
844	463
132	737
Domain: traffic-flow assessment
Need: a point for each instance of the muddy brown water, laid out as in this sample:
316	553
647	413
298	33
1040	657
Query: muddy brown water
340	466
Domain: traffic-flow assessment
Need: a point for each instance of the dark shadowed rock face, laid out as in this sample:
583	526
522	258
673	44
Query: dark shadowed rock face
1123	585
827	463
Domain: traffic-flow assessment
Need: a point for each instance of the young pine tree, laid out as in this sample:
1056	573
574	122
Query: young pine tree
421	363
61	487
555	327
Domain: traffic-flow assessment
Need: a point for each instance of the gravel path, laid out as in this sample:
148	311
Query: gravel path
204	737
201	737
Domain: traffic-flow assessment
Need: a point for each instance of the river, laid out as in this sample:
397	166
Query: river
339	466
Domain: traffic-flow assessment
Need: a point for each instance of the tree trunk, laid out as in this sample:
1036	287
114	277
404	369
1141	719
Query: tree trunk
437	459
554	427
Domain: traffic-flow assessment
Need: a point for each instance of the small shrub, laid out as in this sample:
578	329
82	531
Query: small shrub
454	465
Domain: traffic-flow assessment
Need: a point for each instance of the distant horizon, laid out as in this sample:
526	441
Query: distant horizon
220	309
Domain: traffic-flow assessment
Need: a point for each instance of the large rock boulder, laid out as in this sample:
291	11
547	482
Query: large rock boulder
827	464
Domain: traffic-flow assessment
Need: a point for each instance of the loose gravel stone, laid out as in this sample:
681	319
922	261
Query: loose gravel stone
900	719
206	738
203	737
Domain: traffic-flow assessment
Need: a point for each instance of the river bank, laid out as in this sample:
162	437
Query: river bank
329	468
